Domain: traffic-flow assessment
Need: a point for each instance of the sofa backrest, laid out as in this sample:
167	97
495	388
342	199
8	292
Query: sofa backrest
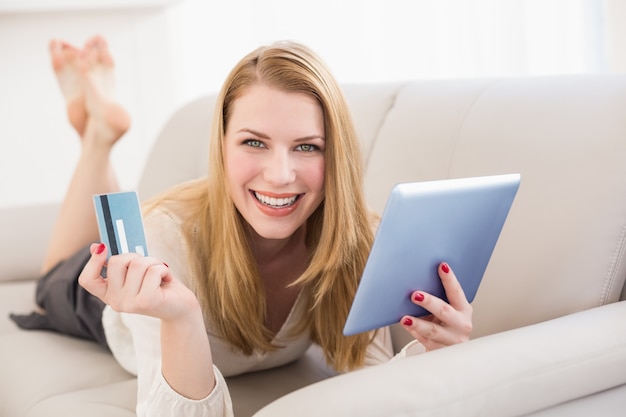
181	151
562	248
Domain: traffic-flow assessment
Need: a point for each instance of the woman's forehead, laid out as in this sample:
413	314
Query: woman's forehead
265	108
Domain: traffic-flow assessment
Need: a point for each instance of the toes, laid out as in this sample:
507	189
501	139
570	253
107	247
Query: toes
62	54
104	56
101	52
56	54
88	59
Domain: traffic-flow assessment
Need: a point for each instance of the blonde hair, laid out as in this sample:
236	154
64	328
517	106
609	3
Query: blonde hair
339	236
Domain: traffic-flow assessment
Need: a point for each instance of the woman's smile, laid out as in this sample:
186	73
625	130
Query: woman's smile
276	206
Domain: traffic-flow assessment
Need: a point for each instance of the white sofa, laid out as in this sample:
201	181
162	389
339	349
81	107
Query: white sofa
550	316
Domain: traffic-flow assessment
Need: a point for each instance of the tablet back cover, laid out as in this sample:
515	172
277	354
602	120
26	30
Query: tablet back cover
425	223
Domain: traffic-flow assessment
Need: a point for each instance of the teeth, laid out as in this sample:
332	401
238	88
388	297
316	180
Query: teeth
275	202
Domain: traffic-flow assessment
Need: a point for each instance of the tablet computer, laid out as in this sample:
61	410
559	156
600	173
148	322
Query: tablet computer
425	223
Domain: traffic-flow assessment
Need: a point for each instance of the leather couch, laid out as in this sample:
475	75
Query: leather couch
550	315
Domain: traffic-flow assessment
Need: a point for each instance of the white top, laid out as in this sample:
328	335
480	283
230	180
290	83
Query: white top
135	340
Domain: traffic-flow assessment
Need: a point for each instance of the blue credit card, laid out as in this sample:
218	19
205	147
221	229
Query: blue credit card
120	223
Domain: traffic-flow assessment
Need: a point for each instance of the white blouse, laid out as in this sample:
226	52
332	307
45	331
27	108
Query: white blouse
135	340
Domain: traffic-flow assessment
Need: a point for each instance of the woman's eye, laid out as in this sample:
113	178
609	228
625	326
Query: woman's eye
306	147
254	143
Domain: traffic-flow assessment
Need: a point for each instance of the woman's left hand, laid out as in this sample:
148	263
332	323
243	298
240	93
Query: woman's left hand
449	323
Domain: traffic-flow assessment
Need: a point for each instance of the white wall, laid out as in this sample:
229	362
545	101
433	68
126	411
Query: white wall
383	40
37	146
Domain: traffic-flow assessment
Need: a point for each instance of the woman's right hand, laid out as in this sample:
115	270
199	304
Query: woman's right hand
137	284
145	285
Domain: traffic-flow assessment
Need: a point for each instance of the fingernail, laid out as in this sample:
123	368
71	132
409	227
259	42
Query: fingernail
418	296
407	322
445	268
100	249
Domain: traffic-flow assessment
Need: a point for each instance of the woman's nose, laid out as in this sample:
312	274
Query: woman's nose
280	169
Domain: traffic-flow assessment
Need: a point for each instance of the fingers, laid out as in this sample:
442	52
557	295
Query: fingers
452	286
143	284
90	277
450	323
429	333
132	284
457	312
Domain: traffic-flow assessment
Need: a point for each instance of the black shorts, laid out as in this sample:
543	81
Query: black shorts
69	308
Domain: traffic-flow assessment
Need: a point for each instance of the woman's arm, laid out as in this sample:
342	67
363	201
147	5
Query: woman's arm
186	355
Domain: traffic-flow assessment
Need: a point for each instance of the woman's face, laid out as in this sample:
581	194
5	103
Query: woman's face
274	159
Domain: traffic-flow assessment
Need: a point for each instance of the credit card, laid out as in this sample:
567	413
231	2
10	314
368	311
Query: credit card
120	223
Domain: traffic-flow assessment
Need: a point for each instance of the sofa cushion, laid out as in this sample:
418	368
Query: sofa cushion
23	243
506	374
609	403
112	400
38	365
50	373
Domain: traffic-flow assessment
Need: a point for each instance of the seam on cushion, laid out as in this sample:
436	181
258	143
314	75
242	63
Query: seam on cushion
394	99
609	280
532	374
78	390
462	122
569	364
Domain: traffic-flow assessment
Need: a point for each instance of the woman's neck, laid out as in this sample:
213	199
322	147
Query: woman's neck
271	250
280	263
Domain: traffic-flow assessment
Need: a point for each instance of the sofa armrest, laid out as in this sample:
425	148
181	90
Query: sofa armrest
24	238
505	374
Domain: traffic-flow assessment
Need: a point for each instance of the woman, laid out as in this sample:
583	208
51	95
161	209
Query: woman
248	266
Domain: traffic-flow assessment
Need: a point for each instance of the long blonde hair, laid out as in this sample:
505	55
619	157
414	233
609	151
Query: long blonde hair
339	236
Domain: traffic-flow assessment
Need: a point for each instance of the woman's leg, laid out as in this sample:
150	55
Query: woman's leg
85	77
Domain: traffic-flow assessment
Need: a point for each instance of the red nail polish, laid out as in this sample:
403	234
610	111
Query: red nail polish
407	322
418	296
100	249
445	268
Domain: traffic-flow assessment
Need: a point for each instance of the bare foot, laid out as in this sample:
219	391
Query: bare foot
65	62
107	121
86	80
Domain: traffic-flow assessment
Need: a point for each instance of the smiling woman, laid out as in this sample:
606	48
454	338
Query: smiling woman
248	266
240	280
